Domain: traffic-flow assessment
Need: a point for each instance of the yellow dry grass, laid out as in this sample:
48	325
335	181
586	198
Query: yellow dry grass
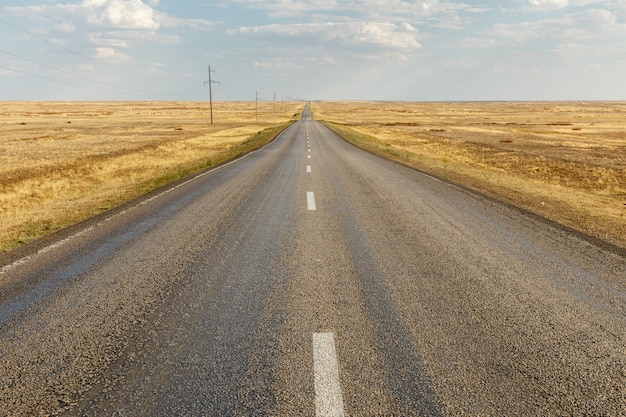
565	161
61	162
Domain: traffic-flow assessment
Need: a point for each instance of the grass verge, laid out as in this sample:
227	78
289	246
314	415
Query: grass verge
582	189
62	163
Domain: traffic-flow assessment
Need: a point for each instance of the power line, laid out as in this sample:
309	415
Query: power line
71	73
48	17
75	52
79	54
32	10
52	80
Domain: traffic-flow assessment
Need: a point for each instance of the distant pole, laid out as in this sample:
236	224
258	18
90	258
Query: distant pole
210	95
256	98
274	102
210	82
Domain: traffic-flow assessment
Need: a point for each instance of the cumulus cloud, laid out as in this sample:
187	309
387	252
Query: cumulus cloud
342	34
111	15
109	26
587	24
121	14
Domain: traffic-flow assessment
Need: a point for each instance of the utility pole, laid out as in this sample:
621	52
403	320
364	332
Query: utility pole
274	102
257	105
210	82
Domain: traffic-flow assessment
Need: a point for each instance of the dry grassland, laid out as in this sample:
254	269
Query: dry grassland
565	161
61	162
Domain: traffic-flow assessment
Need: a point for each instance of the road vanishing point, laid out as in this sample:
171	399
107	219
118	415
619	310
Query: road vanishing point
311	278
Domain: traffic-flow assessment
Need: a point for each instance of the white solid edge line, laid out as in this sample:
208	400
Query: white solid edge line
79	233
310	200
328	398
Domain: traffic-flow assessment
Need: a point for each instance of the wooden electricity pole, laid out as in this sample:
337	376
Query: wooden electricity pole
210	82
256	98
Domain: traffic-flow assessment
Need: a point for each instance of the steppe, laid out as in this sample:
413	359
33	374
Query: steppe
565	161
62	162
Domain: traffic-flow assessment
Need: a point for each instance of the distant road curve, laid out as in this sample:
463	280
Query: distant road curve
313	278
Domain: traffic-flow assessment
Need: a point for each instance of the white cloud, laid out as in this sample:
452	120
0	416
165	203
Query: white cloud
107	40
473	43
344	34
587	24
560	4
118	14
111	54
440	13
262	65
549	4
110	15
108	26
464	64
168	21
66	27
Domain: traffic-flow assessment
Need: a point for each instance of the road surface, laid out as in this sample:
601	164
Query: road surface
312	278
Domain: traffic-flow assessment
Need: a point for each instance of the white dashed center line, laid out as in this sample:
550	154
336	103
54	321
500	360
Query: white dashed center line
310	200
308	168
328	399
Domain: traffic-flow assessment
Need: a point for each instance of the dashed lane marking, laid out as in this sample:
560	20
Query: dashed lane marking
310	200
328	398
308	168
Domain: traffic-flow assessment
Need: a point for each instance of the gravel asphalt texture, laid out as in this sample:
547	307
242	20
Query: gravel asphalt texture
202	299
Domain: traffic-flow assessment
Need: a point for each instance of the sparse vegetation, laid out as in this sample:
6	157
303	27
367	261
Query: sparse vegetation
564	161
64	162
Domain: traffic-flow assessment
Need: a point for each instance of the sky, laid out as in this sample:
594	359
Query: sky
313	50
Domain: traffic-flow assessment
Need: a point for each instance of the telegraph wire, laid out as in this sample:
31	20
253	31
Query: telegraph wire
75	52
53	80
68	50
72	74
30	9
61	23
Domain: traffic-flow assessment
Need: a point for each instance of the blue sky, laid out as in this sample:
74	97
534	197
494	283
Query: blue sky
316	49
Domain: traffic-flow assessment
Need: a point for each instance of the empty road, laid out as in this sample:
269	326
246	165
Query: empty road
310	278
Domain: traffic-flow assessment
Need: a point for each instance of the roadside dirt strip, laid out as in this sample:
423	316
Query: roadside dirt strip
312	278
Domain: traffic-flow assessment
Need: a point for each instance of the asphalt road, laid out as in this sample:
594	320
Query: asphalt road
312	278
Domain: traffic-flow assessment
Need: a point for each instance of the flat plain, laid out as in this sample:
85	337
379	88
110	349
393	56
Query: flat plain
204	299
565	161
62	162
